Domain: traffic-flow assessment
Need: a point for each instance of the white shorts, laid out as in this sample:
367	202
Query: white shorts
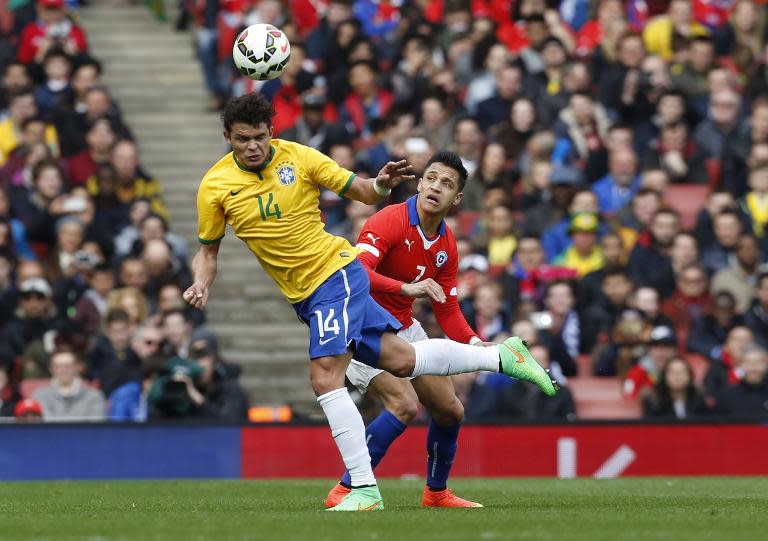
360	375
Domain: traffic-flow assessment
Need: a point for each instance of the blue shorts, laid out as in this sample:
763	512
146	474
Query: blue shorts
342	315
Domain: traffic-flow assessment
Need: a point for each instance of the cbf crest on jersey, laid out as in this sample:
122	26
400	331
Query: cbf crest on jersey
441	258
286	173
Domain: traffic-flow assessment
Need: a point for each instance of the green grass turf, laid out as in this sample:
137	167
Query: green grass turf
625	509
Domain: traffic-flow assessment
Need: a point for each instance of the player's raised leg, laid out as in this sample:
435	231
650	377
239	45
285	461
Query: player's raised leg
446	412
440	357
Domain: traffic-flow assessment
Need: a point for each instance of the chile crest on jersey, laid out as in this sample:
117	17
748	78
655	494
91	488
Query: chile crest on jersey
441	258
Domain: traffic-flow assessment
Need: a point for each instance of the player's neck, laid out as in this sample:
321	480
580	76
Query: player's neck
429	223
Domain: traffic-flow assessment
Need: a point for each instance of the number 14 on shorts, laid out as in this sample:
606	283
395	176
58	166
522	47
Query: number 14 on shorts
326	325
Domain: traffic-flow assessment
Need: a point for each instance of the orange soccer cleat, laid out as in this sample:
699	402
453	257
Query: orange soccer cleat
337	493
444	498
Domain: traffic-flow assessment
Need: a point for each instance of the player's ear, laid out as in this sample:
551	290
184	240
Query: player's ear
227	137
457	199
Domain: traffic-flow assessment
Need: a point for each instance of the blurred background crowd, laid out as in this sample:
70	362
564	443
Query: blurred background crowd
616	214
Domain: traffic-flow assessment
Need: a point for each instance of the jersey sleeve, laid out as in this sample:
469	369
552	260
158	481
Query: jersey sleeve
211	222
328	173
376	237
448	314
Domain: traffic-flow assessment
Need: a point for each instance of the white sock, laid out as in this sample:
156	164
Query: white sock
439	357
348	432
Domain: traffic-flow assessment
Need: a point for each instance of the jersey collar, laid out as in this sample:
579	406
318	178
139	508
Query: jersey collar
260	168
413	215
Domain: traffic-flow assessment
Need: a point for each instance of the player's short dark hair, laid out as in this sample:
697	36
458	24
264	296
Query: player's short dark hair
452	160
252	109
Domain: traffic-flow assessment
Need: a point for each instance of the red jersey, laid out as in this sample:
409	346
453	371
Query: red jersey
394	251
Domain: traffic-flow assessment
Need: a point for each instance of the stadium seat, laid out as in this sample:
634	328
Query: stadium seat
600	398
688	200
29	386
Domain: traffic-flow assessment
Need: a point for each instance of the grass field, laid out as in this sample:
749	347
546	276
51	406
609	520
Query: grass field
636	509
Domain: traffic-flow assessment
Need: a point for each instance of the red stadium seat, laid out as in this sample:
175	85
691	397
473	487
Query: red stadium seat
29	386
688	200
600	398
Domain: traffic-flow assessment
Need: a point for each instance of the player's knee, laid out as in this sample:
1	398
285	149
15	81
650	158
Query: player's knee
325	381
451	413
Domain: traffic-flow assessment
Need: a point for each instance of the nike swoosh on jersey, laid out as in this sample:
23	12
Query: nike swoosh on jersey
233	192
323	342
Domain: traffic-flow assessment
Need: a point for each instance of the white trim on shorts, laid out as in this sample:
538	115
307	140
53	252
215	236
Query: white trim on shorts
360	374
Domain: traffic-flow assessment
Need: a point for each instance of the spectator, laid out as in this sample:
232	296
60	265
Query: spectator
662	348
601	315
508	87
488	317
636	216
23	337
366	101
582	128
498	241
646	301
659	32
53	28
756	317
28	411
100	136
9	394
133	273
723	123
173	393
177	331
589	288
584	255
527	277
748	399
556	238
690	76
675	396
621	183
754	205
626	347
709	332
162	268
132	301
436	120
18	236
225	400
513	133
132	181
717	202
721	252
492	171
16	77
740	276
55	93
677	155
68	398
91	308
22	108
468	143
649	261
690	300
313	127
743	30
561	331
726	370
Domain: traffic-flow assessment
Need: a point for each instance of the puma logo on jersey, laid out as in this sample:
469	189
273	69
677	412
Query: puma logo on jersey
408	243
373	239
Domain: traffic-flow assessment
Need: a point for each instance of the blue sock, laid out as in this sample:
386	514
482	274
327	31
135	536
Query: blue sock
441	451
379	435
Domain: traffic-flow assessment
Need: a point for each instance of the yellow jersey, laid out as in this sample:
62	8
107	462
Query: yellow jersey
275	211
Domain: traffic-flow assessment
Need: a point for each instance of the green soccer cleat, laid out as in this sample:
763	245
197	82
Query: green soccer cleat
361	499
517	362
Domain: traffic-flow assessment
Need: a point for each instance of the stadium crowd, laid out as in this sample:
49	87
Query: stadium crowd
615	215
92	323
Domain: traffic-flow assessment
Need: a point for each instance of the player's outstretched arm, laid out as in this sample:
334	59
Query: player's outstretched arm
204	273
373	190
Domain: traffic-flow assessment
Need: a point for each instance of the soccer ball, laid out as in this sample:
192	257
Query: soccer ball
261	52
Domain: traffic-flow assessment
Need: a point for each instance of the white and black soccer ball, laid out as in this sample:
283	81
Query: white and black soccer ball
261	52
